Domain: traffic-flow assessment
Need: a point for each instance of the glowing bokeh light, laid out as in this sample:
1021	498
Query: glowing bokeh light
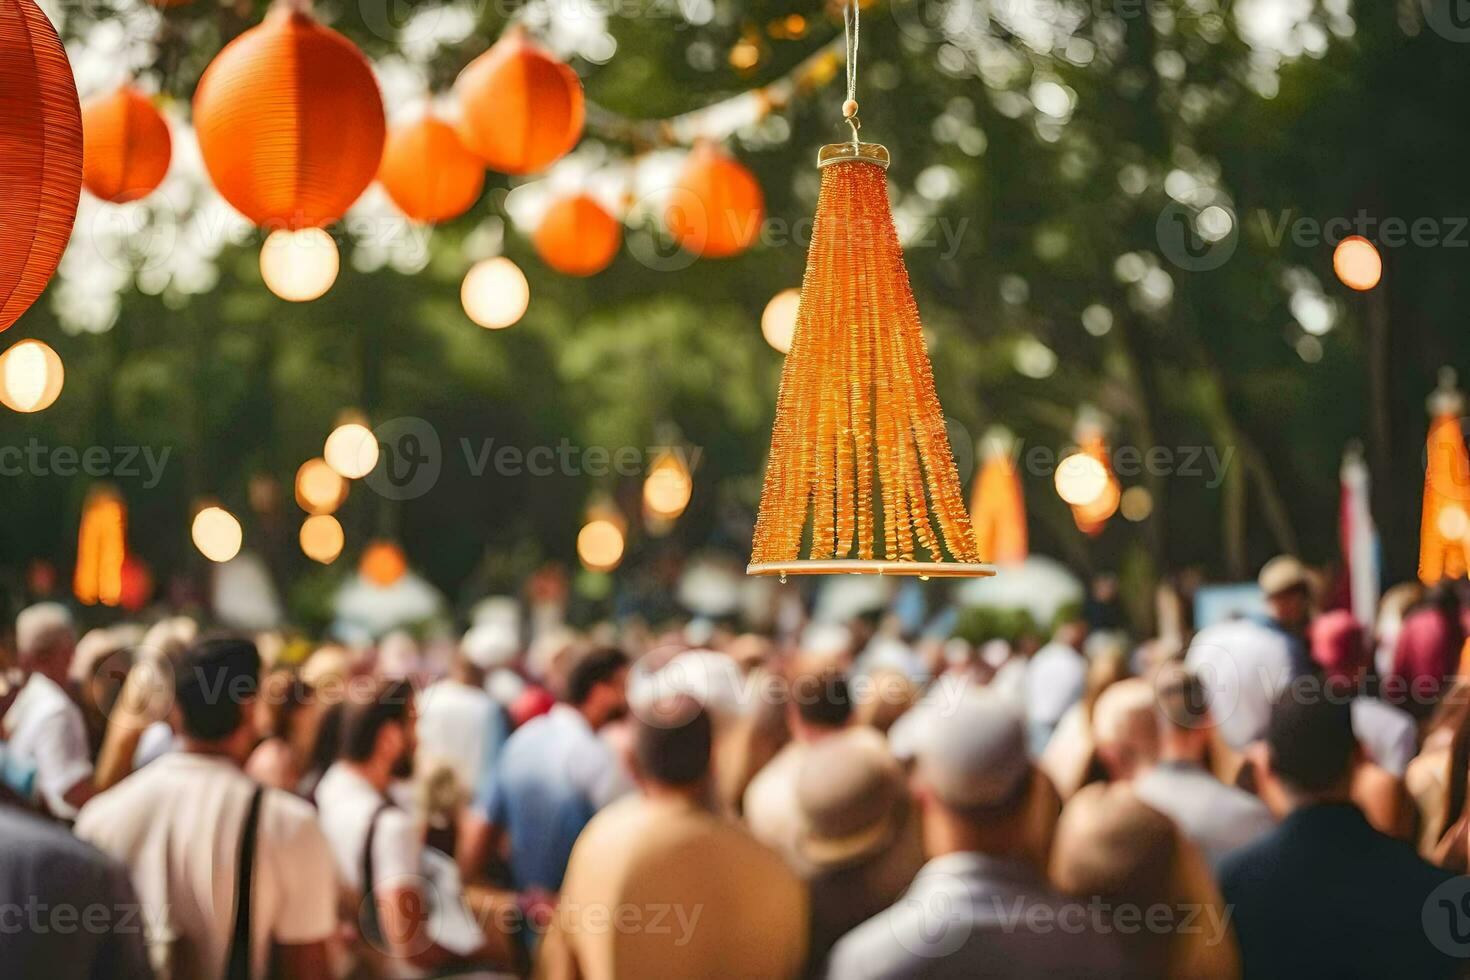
495	293
668	488
319	488
1357	263
322	538
299	265
217	534
778	322
1080	479
351	450
600	545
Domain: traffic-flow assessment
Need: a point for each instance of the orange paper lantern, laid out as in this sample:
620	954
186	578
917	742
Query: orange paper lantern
428	173
717	206
999	510
383	563
1444	530
101	549
522	108
40	155
290	122
578	237
126	146
859	445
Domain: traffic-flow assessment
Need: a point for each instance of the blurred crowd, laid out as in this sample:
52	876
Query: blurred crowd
1276	794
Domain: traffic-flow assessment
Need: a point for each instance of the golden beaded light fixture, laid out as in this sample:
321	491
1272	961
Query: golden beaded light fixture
859	441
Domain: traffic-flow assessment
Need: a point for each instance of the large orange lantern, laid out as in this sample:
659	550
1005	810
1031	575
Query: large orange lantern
1444	529
717	206
522	109
101	549
40	155
428	173
290	122
997	505
578	237
126	146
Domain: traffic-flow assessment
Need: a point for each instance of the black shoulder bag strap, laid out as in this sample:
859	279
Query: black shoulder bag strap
372	929
237	964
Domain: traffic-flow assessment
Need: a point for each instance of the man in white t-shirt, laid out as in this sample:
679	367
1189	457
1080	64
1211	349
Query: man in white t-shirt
460	726
179	825
377	746
44	725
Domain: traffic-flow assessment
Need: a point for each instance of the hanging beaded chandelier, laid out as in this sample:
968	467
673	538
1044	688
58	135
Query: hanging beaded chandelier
860	469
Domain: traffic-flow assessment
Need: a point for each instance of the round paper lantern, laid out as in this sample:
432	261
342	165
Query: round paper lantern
495	293
217	534
521	108
40	155
299	266
126	146
578	237
290	122
428	173
717	207
31	376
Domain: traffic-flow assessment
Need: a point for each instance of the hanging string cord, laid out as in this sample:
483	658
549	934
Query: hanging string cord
850	29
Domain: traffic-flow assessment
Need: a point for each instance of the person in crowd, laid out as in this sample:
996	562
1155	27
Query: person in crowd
973	781
67	911
1125	729
818	705
1112	846
287	718
1287	590
44	725
554	773
98	670
1216	817
1070	757
461	726
1427	652
378	850
859	843
236	879
1388	733
1439	776
1056	677
890	693
1243	665
1324	894
730	906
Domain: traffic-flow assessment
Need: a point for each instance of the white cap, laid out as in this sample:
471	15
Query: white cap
41	625
972	754
490	645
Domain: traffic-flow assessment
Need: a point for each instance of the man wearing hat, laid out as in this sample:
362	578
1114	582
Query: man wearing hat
980	906
1287	588
859	843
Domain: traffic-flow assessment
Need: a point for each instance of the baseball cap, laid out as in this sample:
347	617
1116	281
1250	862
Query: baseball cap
1280	574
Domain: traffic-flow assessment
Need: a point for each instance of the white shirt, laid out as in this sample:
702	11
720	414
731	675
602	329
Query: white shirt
177	826
1216	817
1388	733
46	727
1056	676
1243	666
454	730
347	803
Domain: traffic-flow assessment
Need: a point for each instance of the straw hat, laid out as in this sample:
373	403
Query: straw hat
851	797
